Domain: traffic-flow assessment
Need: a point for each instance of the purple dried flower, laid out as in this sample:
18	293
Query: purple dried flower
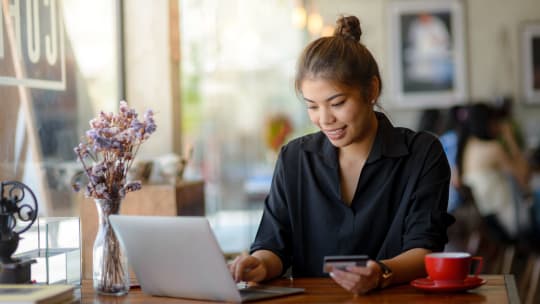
128	156
116	145
94	179
122	193
124	136
99	170
136	125
123	106
100	188
149	114
111	144
103	143
109	132
133	186
151	128
89	190
92	134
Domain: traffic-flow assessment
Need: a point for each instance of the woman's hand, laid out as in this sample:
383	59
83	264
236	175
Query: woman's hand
358	280
247	268
506	131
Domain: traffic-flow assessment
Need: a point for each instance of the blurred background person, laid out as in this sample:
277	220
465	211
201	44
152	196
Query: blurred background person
489	169
504	111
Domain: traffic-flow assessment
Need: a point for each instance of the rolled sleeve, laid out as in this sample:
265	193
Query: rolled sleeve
274	231
427	220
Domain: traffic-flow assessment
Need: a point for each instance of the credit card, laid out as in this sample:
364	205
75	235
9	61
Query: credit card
343	261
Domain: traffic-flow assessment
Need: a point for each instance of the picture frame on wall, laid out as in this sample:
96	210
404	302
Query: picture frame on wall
427	53
530	46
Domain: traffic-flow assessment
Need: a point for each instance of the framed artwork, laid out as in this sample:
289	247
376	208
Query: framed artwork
427	53
530	40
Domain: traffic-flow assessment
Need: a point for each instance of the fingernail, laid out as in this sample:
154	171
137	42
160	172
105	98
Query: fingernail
332	274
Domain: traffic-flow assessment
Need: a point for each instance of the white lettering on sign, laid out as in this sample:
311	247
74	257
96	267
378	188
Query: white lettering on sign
32	30
15	12
51	40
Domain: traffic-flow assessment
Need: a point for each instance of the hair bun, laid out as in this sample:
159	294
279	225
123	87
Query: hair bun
348	27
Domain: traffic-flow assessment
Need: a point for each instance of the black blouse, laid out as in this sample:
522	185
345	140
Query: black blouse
399	204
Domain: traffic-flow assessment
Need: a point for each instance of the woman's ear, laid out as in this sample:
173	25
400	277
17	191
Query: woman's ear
375	87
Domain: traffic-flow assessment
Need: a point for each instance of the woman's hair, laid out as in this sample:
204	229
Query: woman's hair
341	59
431	121
456	118
480	121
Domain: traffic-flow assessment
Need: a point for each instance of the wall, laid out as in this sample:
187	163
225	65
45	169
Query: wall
494	54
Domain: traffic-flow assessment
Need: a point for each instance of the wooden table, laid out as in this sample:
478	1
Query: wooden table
498	289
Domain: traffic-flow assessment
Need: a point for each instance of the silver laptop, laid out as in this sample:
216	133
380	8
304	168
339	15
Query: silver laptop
180	257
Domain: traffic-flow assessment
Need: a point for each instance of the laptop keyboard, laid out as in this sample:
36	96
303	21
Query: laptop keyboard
261	290
249	291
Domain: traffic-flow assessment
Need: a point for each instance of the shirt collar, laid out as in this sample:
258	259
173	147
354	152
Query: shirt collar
389	142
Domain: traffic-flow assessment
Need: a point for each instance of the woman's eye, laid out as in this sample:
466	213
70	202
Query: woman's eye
310	107
337	104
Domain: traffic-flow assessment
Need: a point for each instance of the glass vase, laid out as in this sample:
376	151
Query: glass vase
110	265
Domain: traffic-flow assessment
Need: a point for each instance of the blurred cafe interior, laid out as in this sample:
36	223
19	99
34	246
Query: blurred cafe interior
219	76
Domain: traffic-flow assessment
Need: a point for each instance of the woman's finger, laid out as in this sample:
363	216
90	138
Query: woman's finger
358	280
244	266
347	285
345	275
239	269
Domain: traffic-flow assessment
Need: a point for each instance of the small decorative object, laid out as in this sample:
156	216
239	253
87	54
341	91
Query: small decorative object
277	128
55	244
106	155
171	167
17	202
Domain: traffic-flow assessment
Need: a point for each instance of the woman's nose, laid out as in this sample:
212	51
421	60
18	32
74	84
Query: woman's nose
326	116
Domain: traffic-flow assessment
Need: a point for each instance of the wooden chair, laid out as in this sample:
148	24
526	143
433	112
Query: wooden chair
529	280
479	235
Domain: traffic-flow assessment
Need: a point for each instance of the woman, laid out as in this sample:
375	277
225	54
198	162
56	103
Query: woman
359	186
490	167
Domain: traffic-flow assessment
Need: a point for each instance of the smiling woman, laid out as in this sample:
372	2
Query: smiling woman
360	186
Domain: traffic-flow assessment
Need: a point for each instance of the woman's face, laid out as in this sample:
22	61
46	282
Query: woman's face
342	114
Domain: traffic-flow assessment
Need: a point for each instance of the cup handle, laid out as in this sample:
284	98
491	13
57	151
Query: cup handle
479	264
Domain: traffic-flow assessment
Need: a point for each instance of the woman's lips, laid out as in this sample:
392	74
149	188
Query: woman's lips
335	134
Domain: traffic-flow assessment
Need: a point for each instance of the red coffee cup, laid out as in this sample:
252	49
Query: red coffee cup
451	267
